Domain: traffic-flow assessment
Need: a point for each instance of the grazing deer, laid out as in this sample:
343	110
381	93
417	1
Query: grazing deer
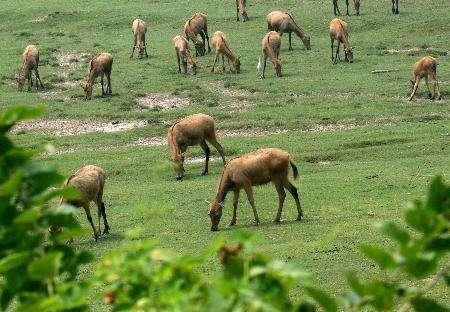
184	56
425	68
339	32
285	23
100	65
270	43
220	45
197	25
196	129
139	29
30	62
255	168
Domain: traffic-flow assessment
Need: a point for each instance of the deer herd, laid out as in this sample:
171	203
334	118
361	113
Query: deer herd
256	168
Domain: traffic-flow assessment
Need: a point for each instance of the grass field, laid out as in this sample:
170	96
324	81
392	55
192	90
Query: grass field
362	149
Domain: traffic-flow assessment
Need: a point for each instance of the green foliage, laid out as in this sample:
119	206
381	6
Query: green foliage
142	277
37	269
415	255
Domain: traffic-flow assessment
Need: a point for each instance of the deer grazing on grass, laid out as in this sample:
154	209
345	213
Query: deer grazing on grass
184	56
100	65
193	130
425	68
139	29
394	6
356	3
197	25
339	32
30	62
285	23
90	182
241	9
252	169
220	45
271	43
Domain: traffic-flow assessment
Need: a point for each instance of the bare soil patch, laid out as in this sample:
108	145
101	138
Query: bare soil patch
248	133
70	61
415	50
221	88
199	160
151	141
57	95
64	127
332	127
161	100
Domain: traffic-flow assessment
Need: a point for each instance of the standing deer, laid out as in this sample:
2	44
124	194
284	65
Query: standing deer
339	32
30	62
197	25
139	29
220	45
285	23
100	65
270	43
252	169
425	68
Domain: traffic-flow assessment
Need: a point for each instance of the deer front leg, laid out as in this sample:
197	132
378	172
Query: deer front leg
235	204
249	192
134	47
101	82
281	197
215	61
290	41
346	3
89	217
416	84
207	151
237	11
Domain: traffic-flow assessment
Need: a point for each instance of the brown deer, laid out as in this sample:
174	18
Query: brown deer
339	32
30	62
197	25
285	23
193	130
425	68
139	29
220	45
270	43
356	3
252	169
100	65
241	9
90	182
181	46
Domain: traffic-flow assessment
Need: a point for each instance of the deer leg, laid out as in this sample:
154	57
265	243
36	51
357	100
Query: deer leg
179	63
416	84
249	192
108	77
290	41
235	204
134	47
88	215
237	11
346	3
294	192
217	146
396	6
281	198
102	210
145	47
336	8
264	68
38	78
332	50
30	82
436	87
430	96
223	63
205	32
215	61
101	82
207	151
336	58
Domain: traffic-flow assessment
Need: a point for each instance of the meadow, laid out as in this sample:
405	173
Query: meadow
362	149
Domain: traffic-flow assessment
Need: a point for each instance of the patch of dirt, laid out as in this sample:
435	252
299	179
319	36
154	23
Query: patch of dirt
70	61
161	100
220	88
65	85
43	18
151	141
332	127
64	127
54	95
198	160
248	133
415	50
237	105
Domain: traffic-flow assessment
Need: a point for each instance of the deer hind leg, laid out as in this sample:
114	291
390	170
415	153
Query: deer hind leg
281	198
336	58
30	81
436	87
416	84
38	79
207	151
346	3
205	34
215	61
102	212
264	67
101	82
145	47
237	11
430	96
336	8
178	61
294	192
217	146
332	51
235	204
134	47
290	42
89	217
108	78
249	192
223	63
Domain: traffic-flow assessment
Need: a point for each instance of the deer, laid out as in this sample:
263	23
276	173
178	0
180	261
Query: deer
425	68
285	23
220	45
339	32
30	62
270	43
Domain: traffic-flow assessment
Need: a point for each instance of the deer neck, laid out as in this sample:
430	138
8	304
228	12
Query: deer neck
230	55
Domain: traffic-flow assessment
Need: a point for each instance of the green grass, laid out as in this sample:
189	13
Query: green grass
346	176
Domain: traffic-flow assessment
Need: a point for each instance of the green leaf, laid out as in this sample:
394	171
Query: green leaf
14	260
45	267
11	186
380	256
439	244
420	218
354	283
18	113
28	216
421	304
438	196
394	231
328	303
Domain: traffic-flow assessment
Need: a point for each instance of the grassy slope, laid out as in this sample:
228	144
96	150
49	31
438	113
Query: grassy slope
374	168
